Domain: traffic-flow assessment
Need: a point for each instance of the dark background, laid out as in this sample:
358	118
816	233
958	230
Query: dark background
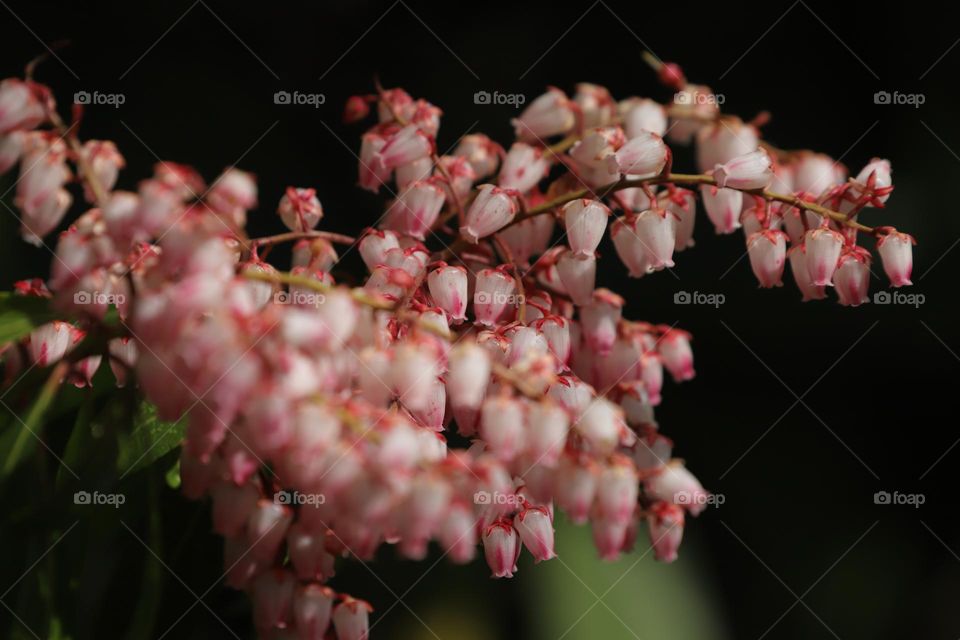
799	413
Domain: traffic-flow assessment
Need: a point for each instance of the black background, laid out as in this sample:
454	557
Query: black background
876	384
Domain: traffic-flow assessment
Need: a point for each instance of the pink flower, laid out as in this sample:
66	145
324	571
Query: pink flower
600	320
501	546
595	103
644	155
578	277
655	231
312	604
586	220
814	173
556	330
468	375
665	523
416	209
351	619
404	146
374	246
597	148
492	209
673	483
448	288
105	163
481	152
523	167
300	209
548	425
11	146
502	427
494	295
548	115
373	174
896	253
272	599
676	354
40	193
536	531
682	203
458	534
873	178
49	342
768	252
801	274
749	171
642	114
823	248
723	207
601	425
617	490
21	105
722	141
233	194
852	278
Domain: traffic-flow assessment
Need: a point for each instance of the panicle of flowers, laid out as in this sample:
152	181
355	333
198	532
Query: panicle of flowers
322	418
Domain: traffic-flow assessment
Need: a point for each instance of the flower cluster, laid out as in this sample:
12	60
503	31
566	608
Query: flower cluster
321	417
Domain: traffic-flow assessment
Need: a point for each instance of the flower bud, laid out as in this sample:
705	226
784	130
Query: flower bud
481	152
548	115
502	427
523	167
448	288
493	295
768	252
21	105
49	342
416	209
665	523
896	253
266	528
501	546
642	114
578	277
801	274
600	320
492	209
600	425
351	619
300	209
312	604
721	141
749	171
404	146
644	155
723	207
458	534
852	278
823	248
586	220
273	599
676	354
675	484
535	526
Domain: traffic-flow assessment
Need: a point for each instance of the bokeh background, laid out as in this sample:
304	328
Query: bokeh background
799	414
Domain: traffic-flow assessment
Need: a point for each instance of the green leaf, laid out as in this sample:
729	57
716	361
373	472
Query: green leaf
24	433
19	315
150	439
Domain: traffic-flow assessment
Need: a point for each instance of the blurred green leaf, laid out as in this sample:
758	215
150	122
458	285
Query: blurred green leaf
24	433
149	440
19	315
